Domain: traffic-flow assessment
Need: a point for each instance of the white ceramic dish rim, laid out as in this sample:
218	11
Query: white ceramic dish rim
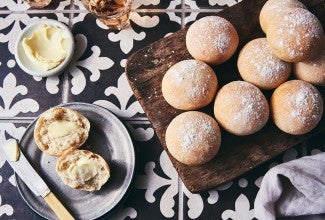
55	71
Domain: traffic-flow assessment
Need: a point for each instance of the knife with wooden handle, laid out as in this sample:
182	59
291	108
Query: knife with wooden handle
33	181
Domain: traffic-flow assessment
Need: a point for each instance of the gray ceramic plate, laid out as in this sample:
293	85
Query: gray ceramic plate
109	138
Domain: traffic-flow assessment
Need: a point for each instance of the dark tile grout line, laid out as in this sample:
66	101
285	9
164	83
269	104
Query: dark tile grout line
23	120
50	11
71	14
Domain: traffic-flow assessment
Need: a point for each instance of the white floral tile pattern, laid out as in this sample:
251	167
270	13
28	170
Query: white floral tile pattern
105	83
155	4
21	5
216	4
97	75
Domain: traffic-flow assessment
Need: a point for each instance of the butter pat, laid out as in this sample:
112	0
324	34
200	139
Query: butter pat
84	169
11	150
46	47
62	128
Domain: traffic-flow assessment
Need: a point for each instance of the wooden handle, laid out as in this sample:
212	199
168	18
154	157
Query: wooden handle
57	207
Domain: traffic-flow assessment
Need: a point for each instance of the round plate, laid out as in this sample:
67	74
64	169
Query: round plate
109	138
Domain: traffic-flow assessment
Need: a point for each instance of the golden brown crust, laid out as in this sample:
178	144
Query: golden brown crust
241	108
71	157
296	107
258	65
296	35
193	138
212	39
313	70
56	146
189	85
273	8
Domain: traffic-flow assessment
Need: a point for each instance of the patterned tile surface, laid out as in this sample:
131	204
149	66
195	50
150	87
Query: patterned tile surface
96	75
212	4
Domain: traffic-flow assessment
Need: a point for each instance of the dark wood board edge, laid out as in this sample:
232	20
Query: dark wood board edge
135	62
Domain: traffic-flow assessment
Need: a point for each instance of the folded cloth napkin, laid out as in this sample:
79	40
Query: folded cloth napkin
292	189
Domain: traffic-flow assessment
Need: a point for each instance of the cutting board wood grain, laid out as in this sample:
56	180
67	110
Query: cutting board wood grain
146	68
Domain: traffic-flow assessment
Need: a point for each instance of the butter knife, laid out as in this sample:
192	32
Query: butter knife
30	177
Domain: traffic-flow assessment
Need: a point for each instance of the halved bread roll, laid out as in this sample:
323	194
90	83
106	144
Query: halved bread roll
83	170
59	129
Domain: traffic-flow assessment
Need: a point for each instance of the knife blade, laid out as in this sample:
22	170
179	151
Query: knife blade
33	181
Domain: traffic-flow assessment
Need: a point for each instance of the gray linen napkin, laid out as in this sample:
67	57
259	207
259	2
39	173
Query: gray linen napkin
292	189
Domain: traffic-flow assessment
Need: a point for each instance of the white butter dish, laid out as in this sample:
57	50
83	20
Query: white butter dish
26	64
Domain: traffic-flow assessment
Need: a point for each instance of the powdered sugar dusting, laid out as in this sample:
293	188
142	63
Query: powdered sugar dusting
276	6
266	64
241	108
298	17
296	25
189	136
195	131
222	42
251	102
186	69
304	102
196	91
214	29
192	74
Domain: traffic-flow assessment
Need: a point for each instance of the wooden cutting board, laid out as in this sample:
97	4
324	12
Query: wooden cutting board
146	68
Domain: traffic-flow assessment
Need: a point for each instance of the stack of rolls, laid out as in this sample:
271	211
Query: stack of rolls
296	36
194	137
294	41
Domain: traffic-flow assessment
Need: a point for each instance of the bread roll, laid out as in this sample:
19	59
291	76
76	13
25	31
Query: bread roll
296	36
59	129
258	65
193	138
83	170
296	107
212	39
189	85
313	70
274	8
241	108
